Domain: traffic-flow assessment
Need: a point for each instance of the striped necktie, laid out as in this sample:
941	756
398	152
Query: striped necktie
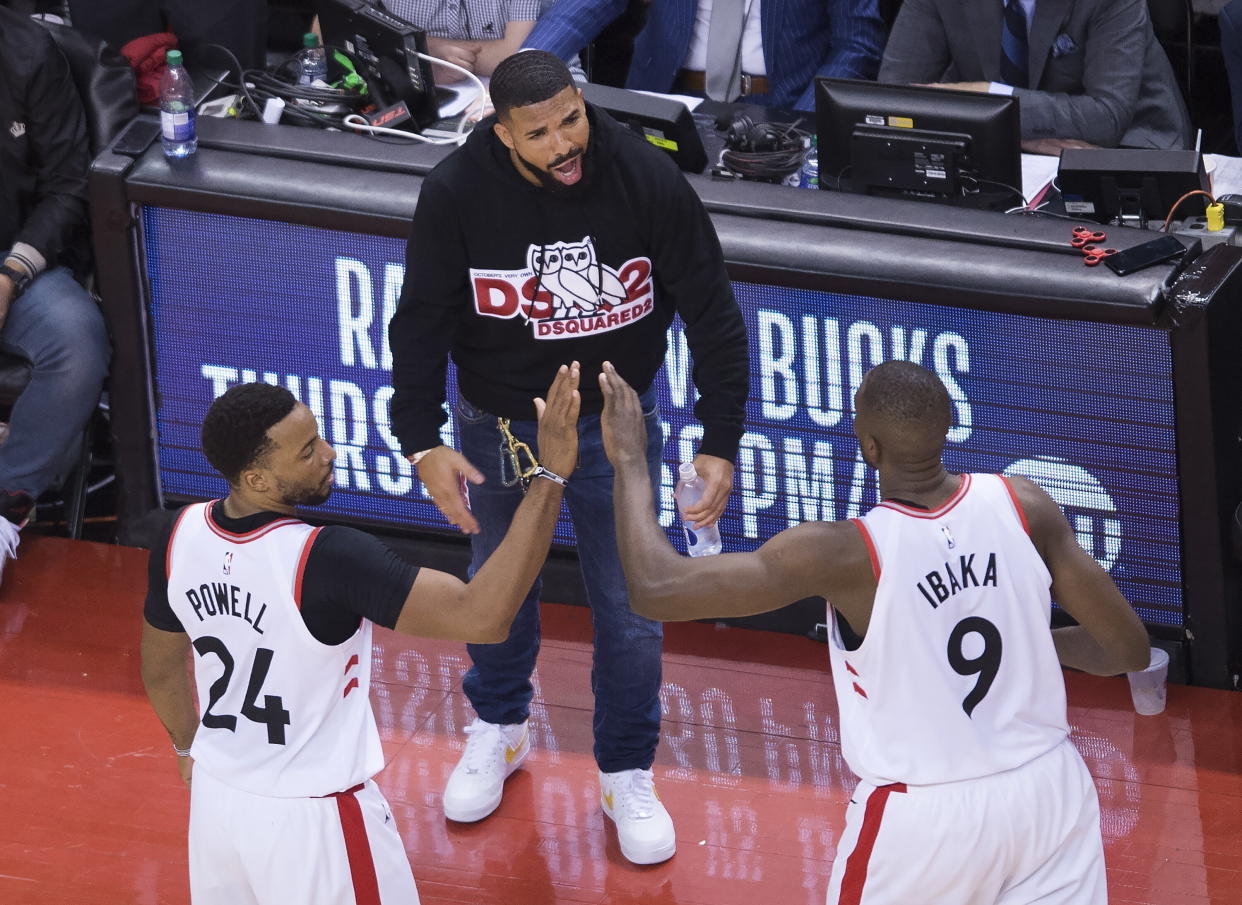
1013	63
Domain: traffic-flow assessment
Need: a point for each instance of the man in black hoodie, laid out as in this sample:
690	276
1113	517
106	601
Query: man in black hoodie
556	234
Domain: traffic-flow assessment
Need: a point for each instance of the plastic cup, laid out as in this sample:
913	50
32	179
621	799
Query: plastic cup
1147	687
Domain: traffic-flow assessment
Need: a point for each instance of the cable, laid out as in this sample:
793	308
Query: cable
765	151
241	77
356	121
1003	185
1167	220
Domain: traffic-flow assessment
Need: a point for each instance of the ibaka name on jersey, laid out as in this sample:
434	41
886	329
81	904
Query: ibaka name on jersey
939	585
565	291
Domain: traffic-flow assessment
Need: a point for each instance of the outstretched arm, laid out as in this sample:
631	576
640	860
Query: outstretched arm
817	558
1109	637
441	605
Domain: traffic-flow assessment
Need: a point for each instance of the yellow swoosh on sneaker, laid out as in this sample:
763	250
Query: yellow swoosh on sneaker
608	801
510	753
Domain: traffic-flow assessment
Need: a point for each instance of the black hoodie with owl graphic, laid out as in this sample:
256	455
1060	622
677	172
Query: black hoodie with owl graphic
514	279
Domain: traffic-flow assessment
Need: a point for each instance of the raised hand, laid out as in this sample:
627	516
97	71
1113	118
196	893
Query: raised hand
625	431
558	422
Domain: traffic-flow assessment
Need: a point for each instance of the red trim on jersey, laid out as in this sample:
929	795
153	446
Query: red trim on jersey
301	570
249	535
353	683
353	661
871	551
931	513
856	865
168	549
358	848
858	688
1016	505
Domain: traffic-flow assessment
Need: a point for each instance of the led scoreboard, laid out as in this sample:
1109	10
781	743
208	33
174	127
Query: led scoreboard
1084	409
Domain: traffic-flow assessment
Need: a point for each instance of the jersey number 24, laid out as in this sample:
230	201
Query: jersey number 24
272	714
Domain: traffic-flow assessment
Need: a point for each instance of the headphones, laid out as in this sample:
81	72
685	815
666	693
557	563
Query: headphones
749	137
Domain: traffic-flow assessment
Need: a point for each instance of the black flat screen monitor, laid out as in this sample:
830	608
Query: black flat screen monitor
1131	186
665	123
385	51
907	141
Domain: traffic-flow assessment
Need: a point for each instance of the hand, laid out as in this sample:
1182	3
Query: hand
444	472
464	54
981	87
624	428
7	290
1052	147
717	475
558	422
185	766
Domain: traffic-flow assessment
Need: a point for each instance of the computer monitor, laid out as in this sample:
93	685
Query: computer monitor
956	147
665	123
1131	186
385	51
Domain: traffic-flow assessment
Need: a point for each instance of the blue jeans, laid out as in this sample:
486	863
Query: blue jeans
625	672
58	328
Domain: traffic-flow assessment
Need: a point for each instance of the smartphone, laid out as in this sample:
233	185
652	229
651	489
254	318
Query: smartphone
137	137
1166	248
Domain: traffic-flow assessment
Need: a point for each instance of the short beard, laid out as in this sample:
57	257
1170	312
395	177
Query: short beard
303	496
550	182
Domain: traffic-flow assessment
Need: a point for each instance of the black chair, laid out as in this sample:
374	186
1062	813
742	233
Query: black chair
105	84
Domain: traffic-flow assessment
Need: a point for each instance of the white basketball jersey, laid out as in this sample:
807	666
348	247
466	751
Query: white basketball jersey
281	713
957	676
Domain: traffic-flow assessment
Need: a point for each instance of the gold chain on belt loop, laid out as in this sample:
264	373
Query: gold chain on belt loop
512	451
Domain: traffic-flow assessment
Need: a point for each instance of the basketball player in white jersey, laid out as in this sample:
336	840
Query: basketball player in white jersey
952	703
283	744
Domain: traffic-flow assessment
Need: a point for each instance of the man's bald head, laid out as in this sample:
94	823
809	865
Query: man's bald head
905	409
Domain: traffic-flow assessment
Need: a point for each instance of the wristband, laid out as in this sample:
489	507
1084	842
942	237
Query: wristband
542	472
417	457
21	279
181	752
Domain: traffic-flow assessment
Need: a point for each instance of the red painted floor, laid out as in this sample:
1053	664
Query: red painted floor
92	811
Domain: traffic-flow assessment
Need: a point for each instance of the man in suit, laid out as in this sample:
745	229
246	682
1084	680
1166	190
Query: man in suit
1093	71
783	44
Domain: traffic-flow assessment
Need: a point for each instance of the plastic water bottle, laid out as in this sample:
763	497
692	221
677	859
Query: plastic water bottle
808	176
177	109
312	60
690	487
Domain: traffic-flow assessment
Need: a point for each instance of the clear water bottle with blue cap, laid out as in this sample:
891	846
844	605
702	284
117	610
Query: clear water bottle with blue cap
690	489
177	127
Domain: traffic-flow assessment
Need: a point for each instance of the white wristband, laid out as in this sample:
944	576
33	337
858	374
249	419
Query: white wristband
181	752
417	457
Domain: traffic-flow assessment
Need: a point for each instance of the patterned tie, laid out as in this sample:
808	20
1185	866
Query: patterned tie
1013	63
724	50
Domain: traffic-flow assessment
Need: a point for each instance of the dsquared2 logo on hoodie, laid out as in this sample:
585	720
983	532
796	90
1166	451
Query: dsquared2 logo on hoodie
565	291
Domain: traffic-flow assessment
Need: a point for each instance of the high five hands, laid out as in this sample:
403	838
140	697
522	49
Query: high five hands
445	472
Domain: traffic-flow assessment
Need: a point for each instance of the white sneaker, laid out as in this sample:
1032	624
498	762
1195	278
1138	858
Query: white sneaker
10	537
492	753
644	828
